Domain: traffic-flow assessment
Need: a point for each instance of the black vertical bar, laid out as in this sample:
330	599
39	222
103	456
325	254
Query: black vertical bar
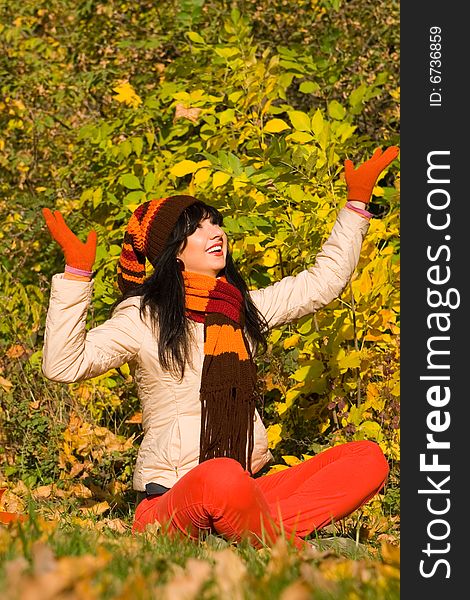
434	262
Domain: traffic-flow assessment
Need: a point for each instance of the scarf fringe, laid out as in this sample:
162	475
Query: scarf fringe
228	379
227	425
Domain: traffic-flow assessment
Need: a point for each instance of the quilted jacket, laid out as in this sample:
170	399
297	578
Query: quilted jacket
171	409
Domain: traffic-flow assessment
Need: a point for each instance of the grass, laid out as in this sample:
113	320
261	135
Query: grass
68	556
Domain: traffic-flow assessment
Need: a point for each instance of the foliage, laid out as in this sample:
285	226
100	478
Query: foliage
249	105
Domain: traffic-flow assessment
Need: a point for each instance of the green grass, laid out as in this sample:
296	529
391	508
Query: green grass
66	556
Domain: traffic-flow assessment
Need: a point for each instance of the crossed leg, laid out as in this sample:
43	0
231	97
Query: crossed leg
219	495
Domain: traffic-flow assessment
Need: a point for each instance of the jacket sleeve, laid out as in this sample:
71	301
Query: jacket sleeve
296	296
70	353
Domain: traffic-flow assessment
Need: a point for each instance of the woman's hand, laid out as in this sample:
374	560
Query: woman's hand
361	181
78	255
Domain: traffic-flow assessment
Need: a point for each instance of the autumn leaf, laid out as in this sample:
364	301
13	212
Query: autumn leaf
183	112
95	509
126	94
6	384
274	435
16	351
275	126
219	179
230	573
184	167
53	578
135	418
186	583
8	500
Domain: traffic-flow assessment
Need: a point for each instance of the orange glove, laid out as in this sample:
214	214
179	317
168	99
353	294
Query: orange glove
361	181
78	255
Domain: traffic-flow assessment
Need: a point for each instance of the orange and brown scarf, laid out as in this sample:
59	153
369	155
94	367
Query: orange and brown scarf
228	373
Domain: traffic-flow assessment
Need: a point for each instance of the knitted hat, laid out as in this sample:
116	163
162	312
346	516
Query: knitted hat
146	236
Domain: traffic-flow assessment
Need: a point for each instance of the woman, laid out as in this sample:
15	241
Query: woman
189	333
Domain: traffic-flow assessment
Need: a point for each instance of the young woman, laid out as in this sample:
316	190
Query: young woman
190	332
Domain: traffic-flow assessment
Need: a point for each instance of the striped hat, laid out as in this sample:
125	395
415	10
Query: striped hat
146	236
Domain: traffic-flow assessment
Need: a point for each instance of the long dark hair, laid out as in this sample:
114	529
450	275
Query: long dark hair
163	294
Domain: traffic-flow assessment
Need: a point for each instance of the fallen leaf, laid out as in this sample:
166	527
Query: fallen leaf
297	590
6	385
16	351
43	491
77	468
117	525
78	490
11	507
98	508
280	558
187	583
10	502
152	530
62	577
14	570
21	489
43	558
8	517
230	572
390	554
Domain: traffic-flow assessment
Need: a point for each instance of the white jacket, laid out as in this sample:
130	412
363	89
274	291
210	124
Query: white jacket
171	410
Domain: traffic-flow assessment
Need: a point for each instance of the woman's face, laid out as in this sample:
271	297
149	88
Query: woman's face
206	249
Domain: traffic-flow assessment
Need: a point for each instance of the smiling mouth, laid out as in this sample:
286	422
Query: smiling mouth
215	250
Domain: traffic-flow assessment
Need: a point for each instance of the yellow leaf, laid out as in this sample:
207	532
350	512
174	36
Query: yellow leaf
126	94
275	335
226	116
274	435
275	126
302	137
395	391
291	341
117	525
291	460
307	372
202	176
317	122
291	395
270	257
351	360
355	415
371	430
280	407
239	183
300	120
374	399
276	469
219	179
183	168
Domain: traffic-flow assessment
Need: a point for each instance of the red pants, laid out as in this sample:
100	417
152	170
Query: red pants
220	496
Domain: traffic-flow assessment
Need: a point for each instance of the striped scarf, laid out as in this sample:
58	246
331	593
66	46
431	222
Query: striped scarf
228	374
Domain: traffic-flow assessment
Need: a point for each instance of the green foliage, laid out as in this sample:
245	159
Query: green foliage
250	106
